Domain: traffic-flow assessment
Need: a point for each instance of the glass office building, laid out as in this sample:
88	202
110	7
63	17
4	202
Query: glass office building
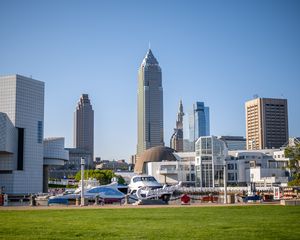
150	105
198	122
210	160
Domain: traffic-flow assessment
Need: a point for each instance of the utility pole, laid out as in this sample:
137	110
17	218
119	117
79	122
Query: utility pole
225	184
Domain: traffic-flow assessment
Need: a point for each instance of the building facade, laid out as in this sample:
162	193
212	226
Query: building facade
176	141
262	167
266	123
84	125
198	122
71	167
172	172
21	134
54	155
150	104
211	154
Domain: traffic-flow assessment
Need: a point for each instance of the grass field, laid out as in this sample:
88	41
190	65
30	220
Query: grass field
243	222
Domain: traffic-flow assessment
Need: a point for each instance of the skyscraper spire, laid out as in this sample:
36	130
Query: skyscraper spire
180	114
176	141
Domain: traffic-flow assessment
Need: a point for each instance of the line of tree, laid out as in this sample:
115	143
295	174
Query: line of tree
293	153
103	176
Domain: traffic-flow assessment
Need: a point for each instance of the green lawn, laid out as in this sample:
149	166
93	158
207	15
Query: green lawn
244	222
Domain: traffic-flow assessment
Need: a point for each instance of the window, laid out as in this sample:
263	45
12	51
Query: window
97	190
168	167
40	132
231	177
230	166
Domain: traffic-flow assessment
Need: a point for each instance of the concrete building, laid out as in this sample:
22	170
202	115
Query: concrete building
266	123
71	167
176	141
150	105
21	134
84	125
54	155
234	142
198	122
211	154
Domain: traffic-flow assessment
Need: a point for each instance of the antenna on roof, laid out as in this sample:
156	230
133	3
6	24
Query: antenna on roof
255	96
149	45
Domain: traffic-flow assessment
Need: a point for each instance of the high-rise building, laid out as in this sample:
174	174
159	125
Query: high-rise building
266	123
198	122
84	125
21	134
150	104
176	141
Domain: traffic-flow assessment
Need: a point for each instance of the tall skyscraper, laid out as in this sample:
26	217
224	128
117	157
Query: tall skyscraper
176	141
266	123
21	134
84	125
198	122
150	104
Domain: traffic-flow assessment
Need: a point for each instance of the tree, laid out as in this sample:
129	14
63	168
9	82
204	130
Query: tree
293	153
103	176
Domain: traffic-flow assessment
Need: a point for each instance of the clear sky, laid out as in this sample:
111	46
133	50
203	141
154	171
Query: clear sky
219	52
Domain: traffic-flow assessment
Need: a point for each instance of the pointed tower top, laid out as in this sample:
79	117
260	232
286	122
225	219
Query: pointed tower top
149	58
180	106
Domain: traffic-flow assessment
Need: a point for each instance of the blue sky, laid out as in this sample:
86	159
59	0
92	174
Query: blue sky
219	52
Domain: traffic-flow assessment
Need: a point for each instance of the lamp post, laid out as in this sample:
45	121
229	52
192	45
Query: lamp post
225	184
82	163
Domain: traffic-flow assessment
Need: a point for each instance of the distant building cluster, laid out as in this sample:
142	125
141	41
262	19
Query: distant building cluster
83	141
27	160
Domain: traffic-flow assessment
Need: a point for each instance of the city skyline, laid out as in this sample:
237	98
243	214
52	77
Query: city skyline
219	53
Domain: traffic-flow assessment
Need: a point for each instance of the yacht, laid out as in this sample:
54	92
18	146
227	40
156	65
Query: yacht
139	181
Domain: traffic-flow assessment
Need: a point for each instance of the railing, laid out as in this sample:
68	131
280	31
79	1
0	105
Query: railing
220	189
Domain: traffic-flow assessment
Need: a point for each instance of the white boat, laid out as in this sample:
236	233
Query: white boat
91	183
88	184
139	181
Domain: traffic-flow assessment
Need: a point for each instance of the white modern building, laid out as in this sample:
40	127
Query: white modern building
54	155
263	167
21	134
210	161
173	172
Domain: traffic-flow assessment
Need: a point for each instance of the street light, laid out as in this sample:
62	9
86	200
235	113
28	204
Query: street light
82	163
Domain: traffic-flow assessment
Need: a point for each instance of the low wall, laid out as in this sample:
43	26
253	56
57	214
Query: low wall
290	202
